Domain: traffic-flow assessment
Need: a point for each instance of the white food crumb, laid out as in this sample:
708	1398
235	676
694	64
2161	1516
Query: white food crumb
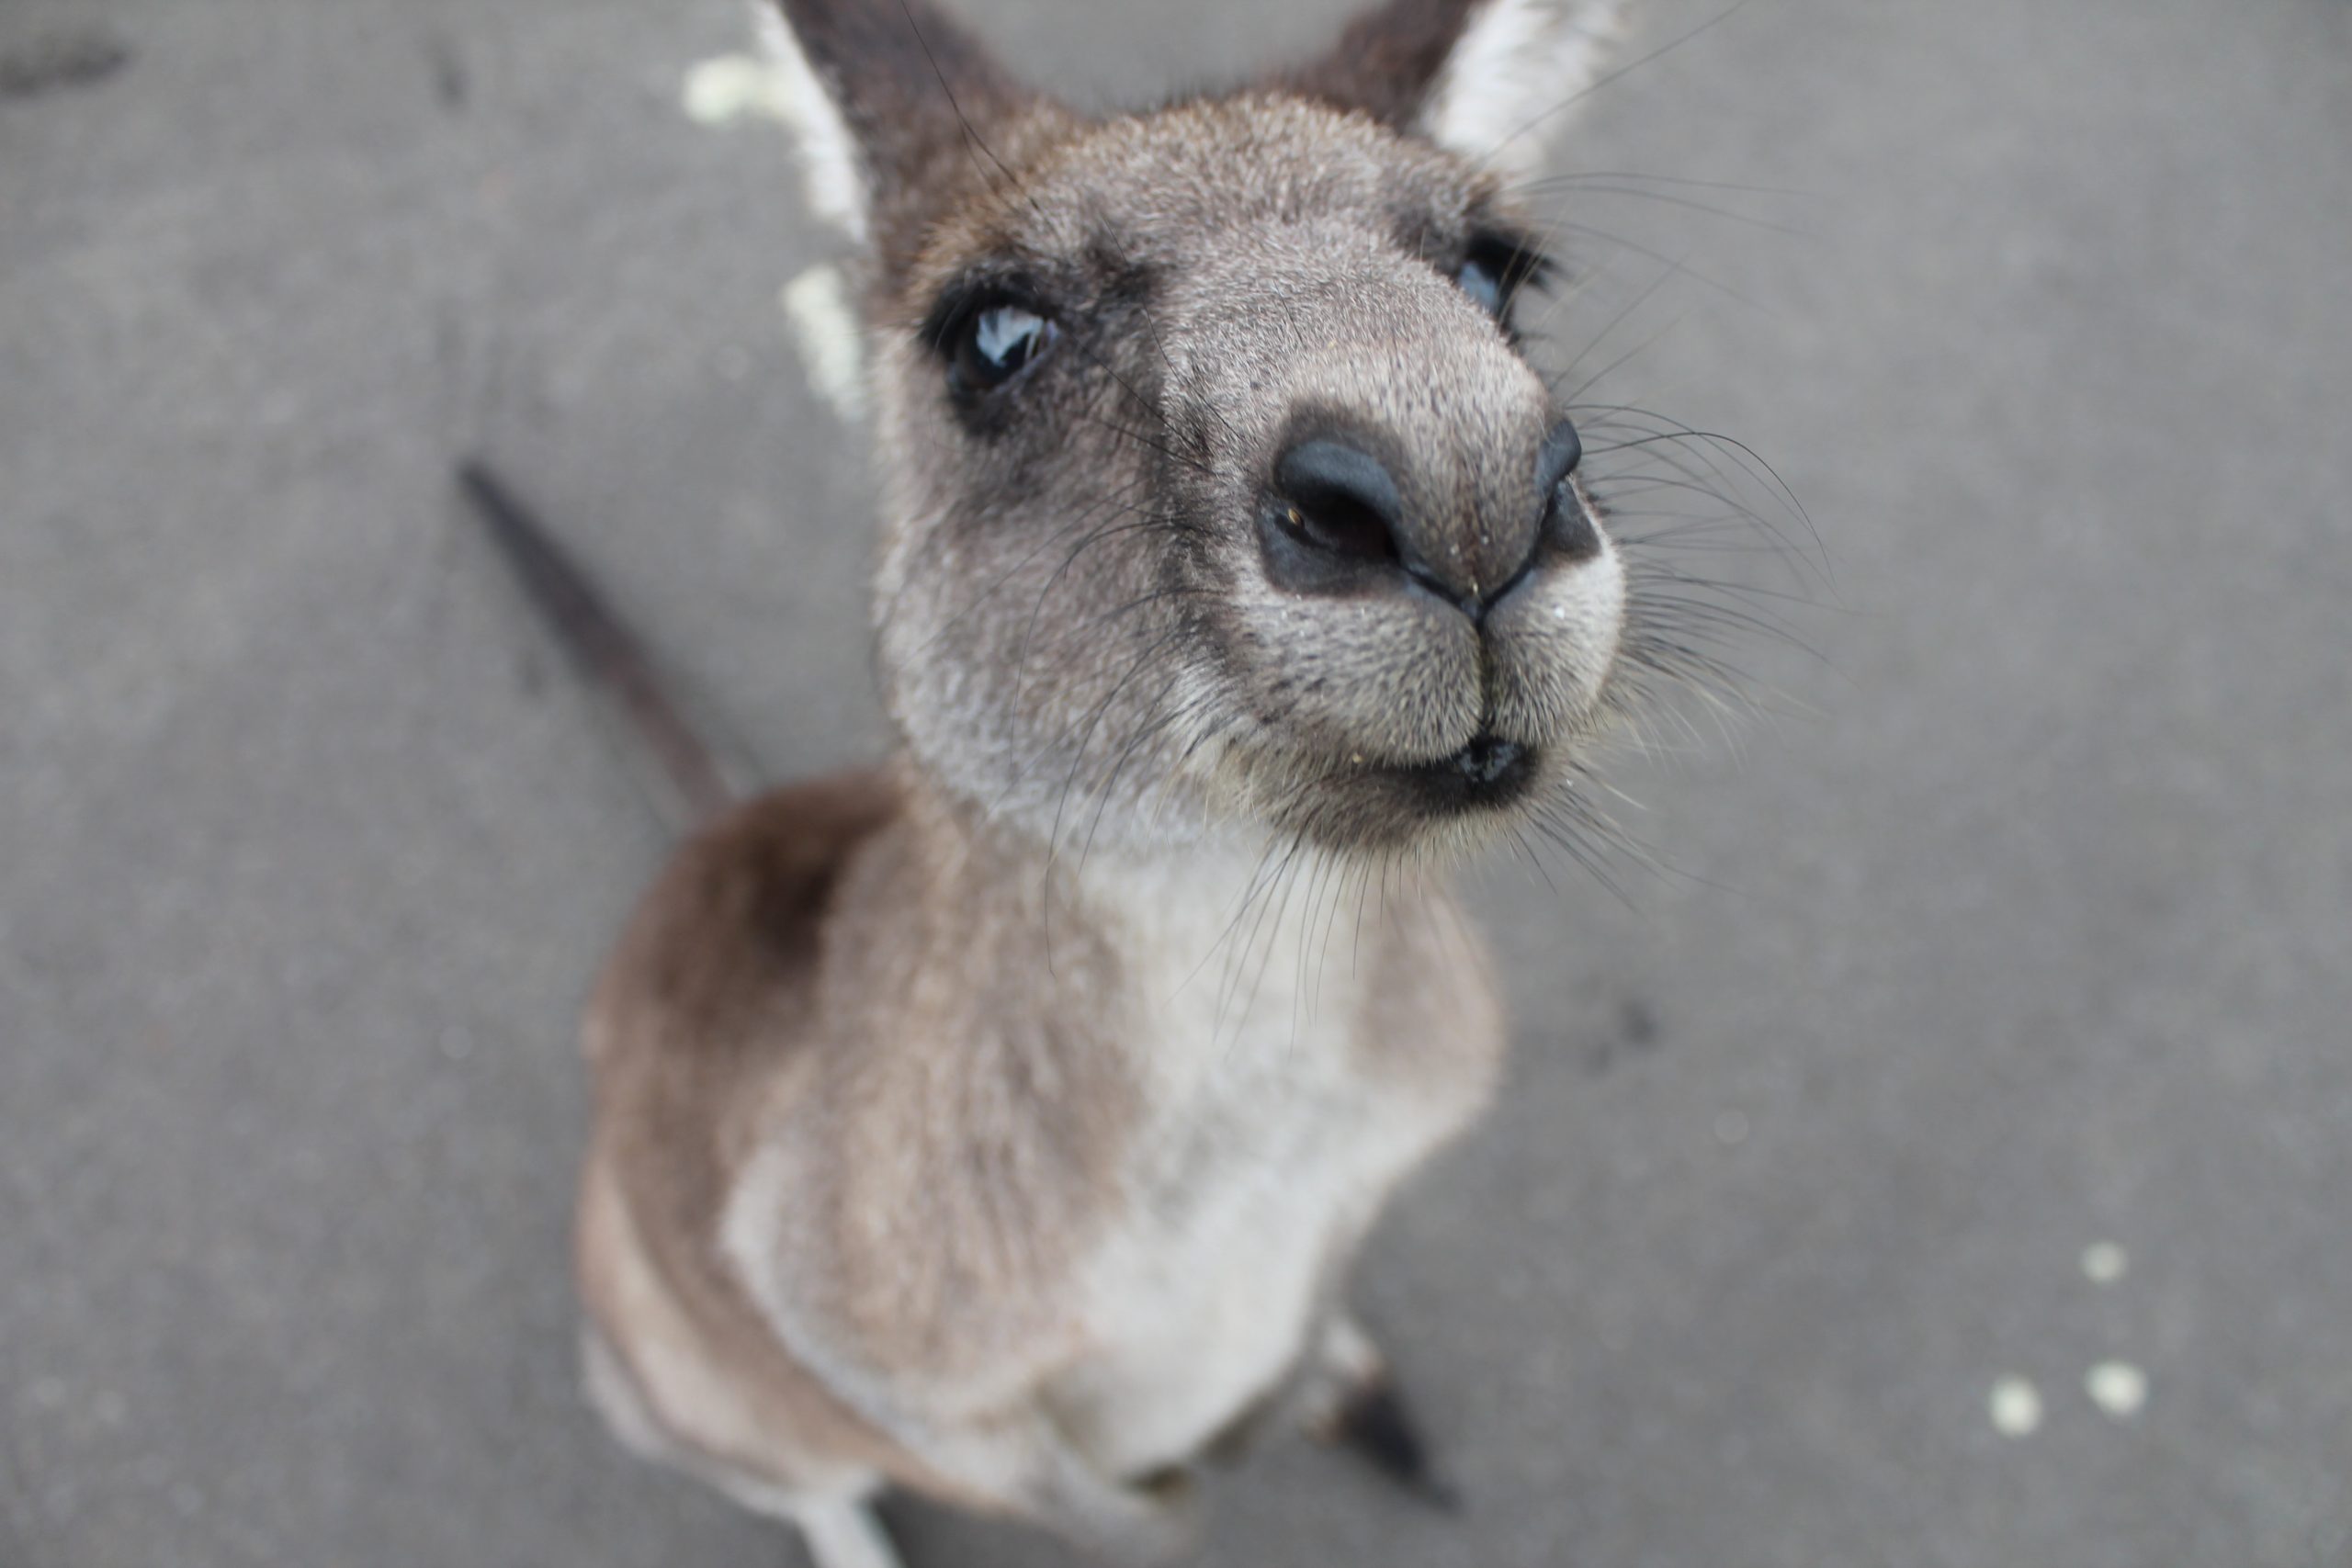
2104	1263
2116	1387
732	87
833	346
2016	1406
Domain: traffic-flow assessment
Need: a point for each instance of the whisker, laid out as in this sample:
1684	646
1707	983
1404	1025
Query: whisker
1667	198
1576	176
1621	73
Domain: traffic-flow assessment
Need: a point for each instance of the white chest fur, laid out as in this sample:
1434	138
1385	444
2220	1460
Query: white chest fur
1268	1146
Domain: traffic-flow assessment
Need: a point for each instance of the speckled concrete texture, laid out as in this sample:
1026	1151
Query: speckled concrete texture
2018	924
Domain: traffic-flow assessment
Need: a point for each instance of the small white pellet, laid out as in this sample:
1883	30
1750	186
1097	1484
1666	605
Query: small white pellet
2104	1263
2116	1387
833	345
731	87
2016	1406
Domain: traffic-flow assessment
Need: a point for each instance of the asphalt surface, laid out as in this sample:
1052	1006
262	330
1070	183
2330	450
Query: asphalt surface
2018	924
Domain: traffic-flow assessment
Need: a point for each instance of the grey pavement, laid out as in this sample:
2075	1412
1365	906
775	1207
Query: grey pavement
2017	922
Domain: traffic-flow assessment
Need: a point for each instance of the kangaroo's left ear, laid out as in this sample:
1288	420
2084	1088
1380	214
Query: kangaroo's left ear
1483	78
891	100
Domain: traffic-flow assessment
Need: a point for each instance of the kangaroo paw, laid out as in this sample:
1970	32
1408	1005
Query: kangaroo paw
841	1532
1360	1408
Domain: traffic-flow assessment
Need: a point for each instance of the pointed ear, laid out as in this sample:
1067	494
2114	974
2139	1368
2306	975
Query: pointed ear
884	97
1483	78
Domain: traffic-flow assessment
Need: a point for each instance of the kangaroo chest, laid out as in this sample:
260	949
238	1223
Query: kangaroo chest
1271	1140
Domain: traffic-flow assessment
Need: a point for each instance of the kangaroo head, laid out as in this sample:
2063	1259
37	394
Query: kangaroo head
1218	486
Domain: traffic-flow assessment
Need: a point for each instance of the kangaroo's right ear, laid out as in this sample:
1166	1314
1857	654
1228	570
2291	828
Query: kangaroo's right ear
1484	78
885	97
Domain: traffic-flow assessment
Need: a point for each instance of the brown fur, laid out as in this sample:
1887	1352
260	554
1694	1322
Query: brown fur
690	1034
1386	59
938	1119
922	98
804	969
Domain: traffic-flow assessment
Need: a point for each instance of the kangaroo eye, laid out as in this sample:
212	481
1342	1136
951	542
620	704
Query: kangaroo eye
996	343
1483	284
1495	270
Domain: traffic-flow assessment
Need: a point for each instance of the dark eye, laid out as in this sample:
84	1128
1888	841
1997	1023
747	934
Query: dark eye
996	343
1483	284
1494	272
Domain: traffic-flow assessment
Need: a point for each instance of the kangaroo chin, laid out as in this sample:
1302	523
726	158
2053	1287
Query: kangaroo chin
1001	1123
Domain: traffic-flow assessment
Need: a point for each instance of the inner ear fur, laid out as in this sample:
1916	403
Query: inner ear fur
910	99
1481	78
1387	61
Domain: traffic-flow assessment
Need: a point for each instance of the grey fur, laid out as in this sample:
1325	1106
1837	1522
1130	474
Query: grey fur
1002	1124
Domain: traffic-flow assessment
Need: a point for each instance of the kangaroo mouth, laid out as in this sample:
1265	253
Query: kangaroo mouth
1487	774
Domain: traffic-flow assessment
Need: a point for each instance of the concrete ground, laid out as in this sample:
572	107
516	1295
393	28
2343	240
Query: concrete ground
2019	928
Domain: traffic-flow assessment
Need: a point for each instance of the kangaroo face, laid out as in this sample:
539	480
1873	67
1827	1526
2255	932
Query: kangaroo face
1218	483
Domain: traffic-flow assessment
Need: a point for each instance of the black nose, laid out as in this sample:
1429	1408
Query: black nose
1563	450
1338	501
1564	526
1337	523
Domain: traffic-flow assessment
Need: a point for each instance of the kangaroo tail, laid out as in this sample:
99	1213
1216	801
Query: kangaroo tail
691	777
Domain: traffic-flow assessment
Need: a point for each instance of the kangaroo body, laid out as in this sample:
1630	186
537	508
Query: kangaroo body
1002	1124
1122	1210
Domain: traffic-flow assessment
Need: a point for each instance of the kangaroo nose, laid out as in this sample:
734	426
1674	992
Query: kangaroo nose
1339	523
1560	526
1563	450
1564	525
1340	502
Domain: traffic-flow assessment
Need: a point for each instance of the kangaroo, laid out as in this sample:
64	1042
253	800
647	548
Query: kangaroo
999	1124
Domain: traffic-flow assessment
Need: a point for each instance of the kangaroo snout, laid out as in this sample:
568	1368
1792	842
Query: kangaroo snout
1222	475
